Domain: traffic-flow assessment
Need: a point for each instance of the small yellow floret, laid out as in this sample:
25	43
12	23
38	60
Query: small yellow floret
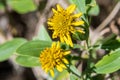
53	57
63	23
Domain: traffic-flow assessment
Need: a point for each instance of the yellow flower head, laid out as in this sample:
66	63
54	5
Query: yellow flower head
53	57
63	23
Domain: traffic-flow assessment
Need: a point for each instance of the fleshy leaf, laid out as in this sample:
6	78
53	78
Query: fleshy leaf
22	6
33	48
28	61
109	63
8	48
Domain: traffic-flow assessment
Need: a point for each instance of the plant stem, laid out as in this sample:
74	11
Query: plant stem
88	69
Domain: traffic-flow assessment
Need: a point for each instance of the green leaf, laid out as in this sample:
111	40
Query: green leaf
111	45
43	34
109	38
28	61
109	63
94	11
92	7
74	69
22	6
8	48
90	2
108	43
33	48
80	5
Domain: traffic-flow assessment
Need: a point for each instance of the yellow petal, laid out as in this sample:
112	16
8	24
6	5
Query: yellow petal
62	65
53	44
52	72
81	31
77	15
67	52
46	70
70	41
61	38
50	23
66	40
59	68
71	8
54	11
72	29
65	60
58	45
54	35
78	23
59	8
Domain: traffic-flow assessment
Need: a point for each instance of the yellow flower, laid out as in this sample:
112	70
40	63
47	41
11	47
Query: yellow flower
63	23
53	57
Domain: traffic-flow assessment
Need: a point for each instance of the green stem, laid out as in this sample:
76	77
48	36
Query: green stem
88	69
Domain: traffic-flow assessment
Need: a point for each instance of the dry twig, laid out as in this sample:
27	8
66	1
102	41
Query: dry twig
96	33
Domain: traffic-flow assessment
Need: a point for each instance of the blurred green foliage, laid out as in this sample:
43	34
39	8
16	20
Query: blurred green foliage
20	6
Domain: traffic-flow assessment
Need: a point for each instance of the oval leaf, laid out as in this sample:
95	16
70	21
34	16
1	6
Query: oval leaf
33	48
109	63
22	6
28	61
8	48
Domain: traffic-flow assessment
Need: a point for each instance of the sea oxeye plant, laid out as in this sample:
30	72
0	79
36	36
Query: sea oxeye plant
63	23
69	53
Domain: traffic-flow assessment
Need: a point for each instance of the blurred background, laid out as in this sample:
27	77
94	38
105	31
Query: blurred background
23	18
